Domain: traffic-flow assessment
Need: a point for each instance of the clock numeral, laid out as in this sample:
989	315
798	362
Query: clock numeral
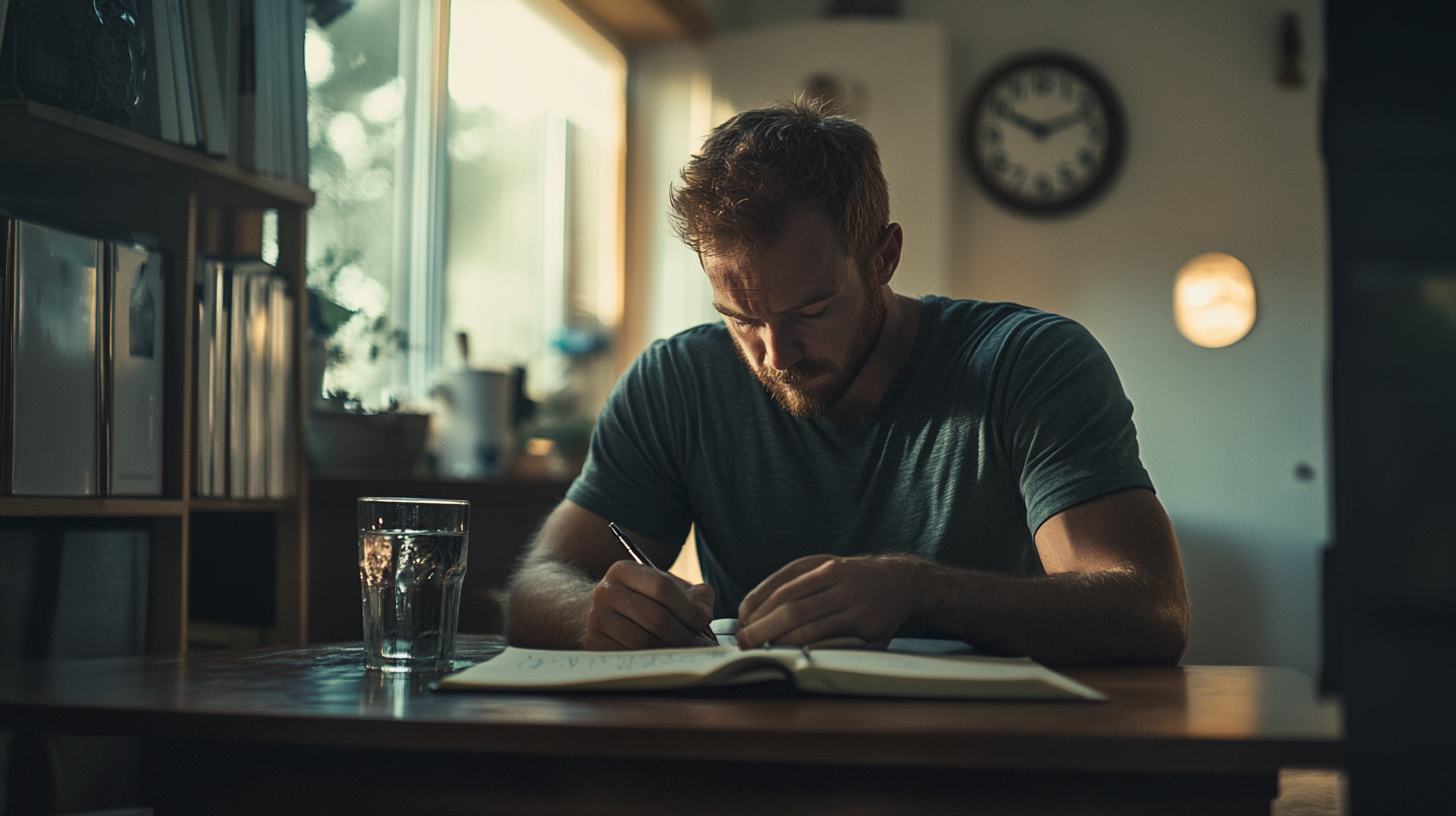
1043	185
1086	159
991	135
1018	89
1096	131
1017	175
1001	106
999	164
1043	83
1066	175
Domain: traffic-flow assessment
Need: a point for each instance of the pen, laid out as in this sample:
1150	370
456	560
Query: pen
641	558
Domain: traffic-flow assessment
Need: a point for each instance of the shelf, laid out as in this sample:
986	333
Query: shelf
36	139
240	505
88	506
88	177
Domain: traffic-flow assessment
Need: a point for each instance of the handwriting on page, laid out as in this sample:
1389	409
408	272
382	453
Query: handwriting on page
581	664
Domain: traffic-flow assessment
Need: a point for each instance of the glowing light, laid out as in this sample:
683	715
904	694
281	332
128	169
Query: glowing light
318	57
346	135
505	56
385	103
1213	300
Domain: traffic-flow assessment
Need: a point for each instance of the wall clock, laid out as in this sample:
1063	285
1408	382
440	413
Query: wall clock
1043	133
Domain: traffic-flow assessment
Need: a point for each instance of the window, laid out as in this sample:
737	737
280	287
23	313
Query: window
467	160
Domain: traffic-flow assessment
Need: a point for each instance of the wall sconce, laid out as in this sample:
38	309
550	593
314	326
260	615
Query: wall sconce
1213	300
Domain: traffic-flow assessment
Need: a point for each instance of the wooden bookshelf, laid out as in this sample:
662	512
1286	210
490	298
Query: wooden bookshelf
96	179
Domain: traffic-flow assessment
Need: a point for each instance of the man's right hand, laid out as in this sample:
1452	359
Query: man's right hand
636	607
574	590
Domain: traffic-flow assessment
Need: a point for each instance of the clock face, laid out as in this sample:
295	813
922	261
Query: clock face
1043	133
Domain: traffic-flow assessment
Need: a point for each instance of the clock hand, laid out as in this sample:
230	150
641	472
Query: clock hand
1066	120
1002	108
1038	130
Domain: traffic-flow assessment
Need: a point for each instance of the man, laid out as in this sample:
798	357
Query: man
855	463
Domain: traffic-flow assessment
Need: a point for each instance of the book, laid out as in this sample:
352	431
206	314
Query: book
255	390
53	412
207	371
280	388
207	73
235	310
182	73
164	88
241	375
134	360
826	671
214	325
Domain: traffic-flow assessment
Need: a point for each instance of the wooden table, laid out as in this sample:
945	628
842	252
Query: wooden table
308	730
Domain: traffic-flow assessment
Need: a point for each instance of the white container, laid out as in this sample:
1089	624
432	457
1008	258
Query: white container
474	434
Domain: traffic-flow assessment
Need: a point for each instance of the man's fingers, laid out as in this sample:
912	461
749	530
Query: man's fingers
702	594
843	627
753	603
666	589
784	615
609	630
636	607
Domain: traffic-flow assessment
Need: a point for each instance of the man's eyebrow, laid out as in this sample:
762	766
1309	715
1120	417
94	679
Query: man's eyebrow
817	297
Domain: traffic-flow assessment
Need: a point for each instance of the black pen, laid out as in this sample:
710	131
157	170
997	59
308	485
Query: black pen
641	558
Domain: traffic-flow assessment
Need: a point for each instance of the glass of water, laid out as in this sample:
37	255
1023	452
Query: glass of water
412	556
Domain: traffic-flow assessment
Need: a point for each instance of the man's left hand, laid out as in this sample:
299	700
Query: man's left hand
825	600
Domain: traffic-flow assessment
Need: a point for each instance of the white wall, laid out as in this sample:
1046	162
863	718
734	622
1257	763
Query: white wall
895	73
1220	158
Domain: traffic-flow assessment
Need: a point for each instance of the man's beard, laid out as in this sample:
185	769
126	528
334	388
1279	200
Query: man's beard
785	386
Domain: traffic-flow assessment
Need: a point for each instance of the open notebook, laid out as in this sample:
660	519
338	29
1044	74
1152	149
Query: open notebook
832	671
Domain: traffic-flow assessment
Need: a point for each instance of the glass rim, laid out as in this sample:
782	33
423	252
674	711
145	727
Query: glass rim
406	499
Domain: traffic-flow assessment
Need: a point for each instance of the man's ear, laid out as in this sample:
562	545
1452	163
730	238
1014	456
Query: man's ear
887	257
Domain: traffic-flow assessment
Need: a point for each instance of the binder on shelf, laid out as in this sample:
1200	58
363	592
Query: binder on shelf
280	389
207	70
157	114
245	370
182	71
256	390
53	373
228	76
227	44
235	304
134	358
202	345
211	349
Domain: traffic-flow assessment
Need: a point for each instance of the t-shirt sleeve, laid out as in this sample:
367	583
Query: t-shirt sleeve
633	473
1069	425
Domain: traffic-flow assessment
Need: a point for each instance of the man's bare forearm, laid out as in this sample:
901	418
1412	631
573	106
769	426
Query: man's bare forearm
1117	616
547	605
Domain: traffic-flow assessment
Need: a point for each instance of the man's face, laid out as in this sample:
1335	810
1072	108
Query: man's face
799	314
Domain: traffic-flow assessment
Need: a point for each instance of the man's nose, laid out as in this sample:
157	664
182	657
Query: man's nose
781	347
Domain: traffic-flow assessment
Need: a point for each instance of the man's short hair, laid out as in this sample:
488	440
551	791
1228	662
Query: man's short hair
762	164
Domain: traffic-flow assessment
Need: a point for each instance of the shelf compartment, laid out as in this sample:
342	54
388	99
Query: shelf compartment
93	152
84	506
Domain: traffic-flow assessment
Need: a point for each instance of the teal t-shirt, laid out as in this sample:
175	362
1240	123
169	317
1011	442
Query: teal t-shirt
1002	417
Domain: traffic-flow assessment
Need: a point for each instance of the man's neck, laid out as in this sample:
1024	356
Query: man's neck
897	340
